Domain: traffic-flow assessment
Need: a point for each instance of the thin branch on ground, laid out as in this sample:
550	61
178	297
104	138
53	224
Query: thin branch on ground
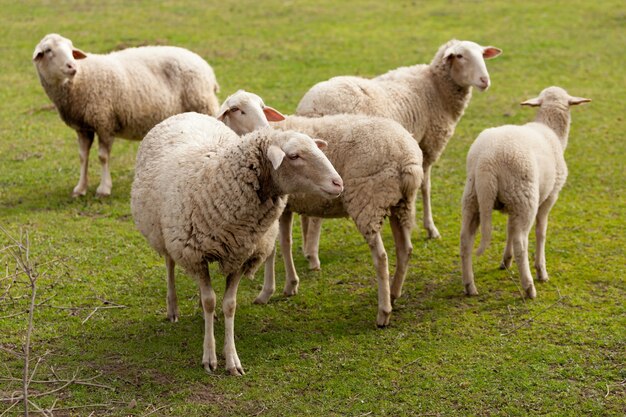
154	411
531	319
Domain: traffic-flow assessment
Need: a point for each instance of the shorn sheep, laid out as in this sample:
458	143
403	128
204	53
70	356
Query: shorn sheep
518	170
428	100
124	93
202	194
381	166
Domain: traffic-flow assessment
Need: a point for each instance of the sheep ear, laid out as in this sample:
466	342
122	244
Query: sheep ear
38	54
577	100
533	102
491	52
275	155
322	144
78	54
223	112
272	115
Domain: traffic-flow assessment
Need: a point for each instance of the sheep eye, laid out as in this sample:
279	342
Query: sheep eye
234	109
459	56
294	156
47	50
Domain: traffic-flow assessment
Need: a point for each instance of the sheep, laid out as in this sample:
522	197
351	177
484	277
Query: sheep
124	93
518	170
245	112
381	166
428	100
201	194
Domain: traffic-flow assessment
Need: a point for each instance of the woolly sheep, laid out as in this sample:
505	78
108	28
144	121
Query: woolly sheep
381	166
201	194
124	93
518	170
428	100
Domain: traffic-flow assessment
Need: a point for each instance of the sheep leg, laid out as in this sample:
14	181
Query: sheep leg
284	233
172	300
507	256
105	143
85	139
269	281
404	248
311	243
209	301
469	226
520	229
304	225
429	224
379	255
541	228
229	305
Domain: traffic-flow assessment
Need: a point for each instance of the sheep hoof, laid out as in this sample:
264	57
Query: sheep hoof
531	292
210	367
543	277
433	233
506	264
78	193
382	320
262	298
236	371
173	318
470	289
103	194
291	290
314	263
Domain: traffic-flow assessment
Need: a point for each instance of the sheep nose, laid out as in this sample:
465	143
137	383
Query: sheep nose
71	69
338	182
484	81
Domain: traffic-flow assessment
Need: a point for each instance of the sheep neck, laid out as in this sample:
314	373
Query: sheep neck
557	118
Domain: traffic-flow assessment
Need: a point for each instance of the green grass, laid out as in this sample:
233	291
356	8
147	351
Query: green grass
319	353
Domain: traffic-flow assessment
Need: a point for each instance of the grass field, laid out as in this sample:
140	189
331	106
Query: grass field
320	353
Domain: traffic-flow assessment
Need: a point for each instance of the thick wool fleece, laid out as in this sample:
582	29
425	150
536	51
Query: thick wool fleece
202	194
422	98
126	93
379	162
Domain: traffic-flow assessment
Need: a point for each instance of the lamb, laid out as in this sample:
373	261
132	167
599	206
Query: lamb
201	194
428	100
124	93
381	166
518	170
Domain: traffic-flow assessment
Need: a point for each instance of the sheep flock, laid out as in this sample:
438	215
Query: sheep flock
220	183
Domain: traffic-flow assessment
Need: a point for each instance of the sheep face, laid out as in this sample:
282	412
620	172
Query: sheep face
467	64
301	167
245	112
55	58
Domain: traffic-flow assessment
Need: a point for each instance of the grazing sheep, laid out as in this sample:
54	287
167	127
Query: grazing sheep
124	93
518	170
381	166
201	194
428	100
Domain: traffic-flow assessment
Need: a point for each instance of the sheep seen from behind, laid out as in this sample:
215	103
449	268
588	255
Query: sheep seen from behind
520	171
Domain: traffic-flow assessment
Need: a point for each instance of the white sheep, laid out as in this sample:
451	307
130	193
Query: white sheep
245	112
381	166
201	194
518	170
428	100
124	93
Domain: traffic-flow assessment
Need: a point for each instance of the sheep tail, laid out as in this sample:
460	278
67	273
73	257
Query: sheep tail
487	192
411	177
